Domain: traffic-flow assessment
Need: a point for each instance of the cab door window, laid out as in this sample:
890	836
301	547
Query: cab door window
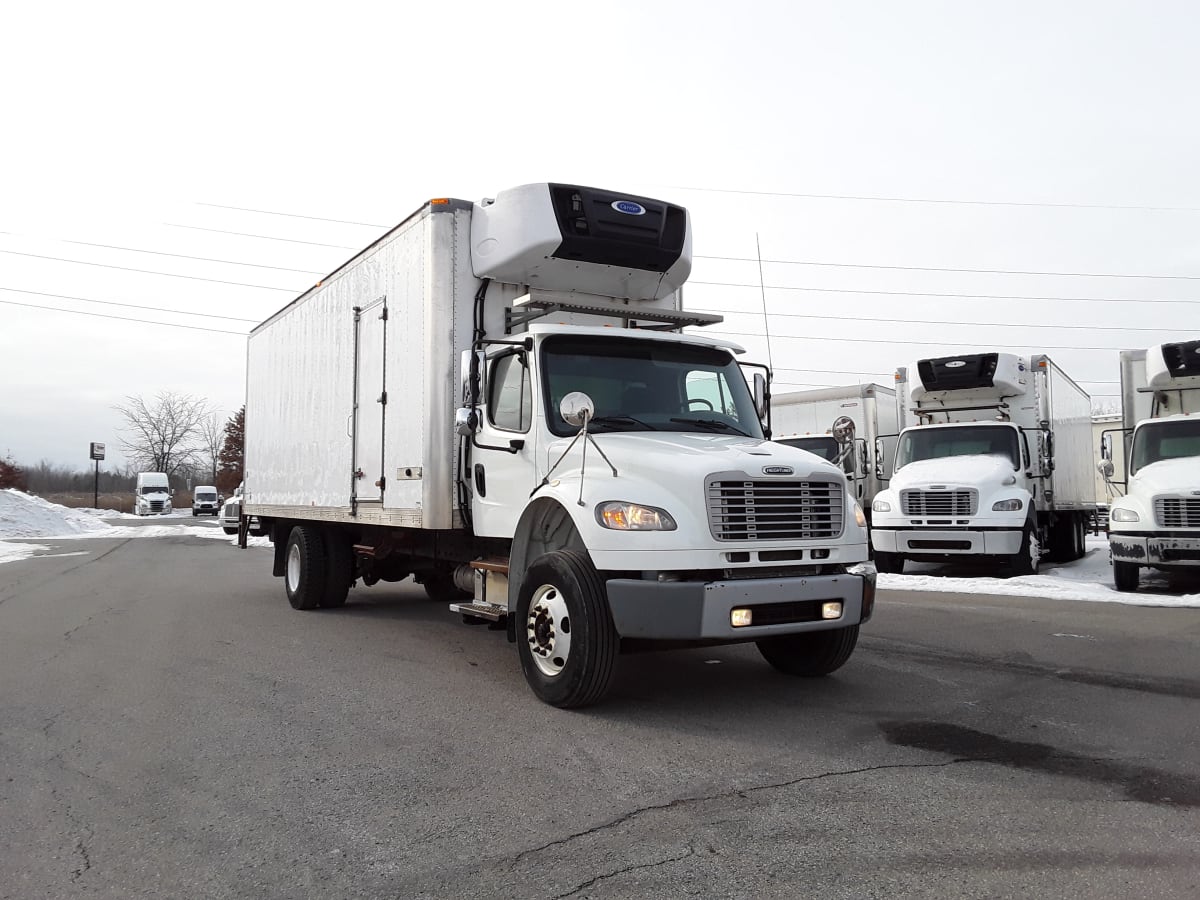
510	395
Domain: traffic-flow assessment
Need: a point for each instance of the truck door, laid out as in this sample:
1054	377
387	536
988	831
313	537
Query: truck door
370	403
502	453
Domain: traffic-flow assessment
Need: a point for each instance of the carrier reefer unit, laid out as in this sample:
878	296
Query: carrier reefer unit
498	399
805	419
1157	521
994	460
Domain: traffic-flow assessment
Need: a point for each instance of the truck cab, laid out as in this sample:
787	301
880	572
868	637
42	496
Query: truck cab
152	494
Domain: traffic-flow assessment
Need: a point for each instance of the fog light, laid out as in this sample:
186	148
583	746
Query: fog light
830	610
739	618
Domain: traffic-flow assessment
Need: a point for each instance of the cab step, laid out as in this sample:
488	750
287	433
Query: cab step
489	612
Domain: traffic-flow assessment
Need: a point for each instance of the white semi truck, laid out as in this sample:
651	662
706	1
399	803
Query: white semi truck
994	461
1156	522
804	419
498	399
152	494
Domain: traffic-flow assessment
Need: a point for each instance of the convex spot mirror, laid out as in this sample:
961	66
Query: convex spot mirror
577	409
843	429
1105	468
466	421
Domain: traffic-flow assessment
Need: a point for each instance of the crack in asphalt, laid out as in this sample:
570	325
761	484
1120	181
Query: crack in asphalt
691	851
82	849
741	793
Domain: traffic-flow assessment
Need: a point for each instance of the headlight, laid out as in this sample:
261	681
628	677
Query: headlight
1007	505
859	516
1124	515
621	516
881	506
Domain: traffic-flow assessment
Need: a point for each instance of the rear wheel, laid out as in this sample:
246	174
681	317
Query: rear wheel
1126	576
440	586
810	654
307	567
565	634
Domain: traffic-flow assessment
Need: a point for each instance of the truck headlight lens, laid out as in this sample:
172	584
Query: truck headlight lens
859	516
1124	515
621	516
1007	505
881	506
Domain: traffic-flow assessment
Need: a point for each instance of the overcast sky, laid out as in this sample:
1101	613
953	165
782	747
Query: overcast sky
1062	137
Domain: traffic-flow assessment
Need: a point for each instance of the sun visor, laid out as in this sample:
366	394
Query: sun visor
557	237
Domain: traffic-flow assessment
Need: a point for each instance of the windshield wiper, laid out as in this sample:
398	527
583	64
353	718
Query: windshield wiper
620	420
712	423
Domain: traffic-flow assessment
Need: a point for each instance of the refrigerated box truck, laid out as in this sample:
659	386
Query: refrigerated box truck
1156	522
805	419
994	461
498	399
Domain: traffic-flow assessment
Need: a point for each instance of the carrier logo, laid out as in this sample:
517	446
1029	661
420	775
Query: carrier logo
629	207
778	470
957	364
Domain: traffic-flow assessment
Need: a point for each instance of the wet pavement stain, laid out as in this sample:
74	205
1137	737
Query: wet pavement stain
1141	783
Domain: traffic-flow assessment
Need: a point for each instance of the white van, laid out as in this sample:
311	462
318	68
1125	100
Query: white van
206	501
152	495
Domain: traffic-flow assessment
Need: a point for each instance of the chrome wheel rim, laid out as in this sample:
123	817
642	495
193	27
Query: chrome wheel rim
293	568
548	630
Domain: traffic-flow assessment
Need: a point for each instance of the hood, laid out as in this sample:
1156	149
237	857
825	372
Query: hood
1168	476
701	453
966	471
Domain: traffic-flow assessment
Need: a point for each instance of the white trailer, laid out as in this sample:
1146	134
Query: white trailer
455	404
1157	521
994	460
805	419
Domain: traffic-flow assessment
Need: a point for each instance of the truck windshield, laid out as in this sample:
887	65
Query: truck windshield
969	440
154	489
206	495
1156	441
643	385
823	446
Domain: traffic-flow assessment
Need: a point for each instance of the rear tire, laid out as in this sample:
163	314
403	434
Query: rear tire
565	634
1126	576
889	563
306	567
341	569
810	654
440	587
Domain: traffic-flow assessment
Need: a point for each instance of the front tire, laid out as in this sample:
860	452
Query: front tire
810	654
1126	576
1025	561
889	563
228	530
565	634
307	567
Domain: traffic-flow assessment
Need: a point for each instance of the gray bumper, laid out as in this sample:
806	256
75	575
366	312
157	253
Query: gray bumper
932	541
1156	549
699	610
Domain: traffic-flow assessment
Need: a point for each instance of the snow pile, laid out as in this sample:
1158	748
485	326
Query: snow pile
1088	579
24	516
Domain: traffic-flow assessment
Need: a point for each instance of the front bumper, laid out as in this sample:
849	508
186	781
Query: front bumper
1156	548
699	610
939	542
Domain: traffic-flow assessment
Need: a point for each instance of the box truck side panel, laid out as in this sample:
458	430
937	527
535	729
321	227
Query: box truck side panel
1071	419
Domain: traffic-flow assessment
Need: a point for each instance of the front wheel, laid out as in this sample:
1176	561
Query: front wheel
228	530
1025	561
1126	576
810	654
565	634
889	563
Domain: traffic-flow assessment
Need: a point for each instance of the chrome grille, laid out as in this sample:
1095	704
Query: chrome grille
939	503
774	510
1177	512
156	506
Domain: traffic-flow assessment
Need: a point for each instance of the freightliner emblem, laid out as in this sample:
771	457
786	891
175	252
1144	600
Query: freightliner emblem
778	470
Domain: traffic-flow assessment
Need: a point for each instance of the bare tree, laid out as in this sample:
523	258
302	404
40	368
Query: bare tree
165	434
212	437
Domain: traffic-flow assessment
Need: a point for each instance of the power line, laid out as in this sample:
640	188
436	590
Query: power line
940	322
265	237
783	287
801	262
805	337
81	262
227	262
80	312
891	374
267	212
178	312
935	200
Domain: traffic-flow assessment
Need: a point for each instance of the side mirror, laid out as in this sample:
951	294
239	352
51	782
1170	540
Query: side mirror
760	396
577	409
466	421
879	458
220	498
1105	467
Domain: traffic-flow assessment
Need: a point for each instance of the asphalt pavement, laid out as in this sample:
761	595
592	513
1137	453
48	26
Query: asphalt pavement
172	728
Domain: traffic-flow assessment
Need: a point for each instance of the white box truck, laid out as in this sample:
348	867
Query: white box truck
1157	521
994	461
498	399
152	494
805	419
